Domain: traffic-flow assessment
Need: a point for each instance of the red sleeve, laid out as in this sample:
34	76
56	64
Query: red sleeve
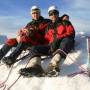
49	36
69	32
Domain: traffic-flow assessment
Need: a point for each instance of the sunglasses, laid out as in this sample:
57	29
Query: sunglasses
53	13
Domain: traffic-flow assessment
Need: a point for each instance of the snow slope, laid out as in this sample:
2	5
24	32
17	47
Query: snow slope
63	82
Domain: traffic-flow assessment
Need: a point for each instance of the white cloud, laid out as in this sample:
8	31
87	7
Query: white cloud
81	25
9	25
78	10
83	4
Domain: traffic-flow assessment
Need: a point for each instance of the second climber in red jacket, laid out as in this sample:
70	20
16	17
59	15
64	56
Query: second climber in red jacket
60	38
31	35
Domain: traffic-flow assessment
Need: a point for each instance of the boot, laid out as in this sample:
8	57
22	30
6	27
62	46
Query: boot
8	61
53	68
52	71
4	50
11	59
20	47
33	69
1	55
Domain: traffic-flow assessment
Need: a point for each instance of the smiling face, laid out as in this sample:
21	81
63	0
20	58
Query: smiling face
35	14
53	15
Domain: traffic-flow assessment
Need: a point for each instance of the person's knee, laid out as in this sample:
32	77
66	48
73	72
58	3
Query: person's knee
11	42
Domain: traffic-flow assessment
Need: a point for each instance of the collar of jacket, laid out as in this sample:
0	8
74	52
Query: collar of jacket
56	23
38	21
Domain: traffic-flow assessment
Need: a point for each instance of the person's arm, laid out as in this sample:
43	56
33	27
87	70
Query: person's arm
70	31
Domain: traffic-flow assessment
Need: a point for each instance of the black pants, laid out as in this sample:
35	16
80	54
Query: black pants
18	49
4	50
65	44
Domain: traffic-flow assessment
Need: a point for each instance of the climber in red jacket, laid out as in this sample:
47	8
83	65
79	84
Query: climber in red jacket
31	35
59	35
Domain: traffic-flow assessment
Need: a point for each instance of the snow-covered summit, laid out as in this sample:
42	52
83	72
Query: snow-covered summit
63	82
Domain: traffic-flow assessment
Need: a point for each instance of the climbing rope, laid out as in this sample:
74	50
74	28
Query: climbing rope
2	84
17	78
83	70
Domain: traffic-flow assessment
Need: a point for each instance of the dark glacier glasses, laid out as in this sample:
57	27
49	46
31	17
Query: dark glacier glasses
54	12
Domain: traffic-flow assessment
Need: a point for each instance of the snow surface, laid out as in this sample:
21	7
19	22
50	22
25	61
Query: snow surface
62	82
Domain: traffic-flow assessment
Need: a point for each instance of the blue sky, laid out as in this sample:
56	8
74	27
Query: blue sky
15	14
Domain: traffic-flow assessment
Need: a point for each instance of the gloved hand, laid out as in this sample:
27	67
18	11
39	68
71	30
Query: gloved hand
23	31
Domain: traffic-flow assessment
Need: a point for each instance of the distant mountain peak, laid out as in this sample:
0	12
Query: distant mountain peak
2	38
